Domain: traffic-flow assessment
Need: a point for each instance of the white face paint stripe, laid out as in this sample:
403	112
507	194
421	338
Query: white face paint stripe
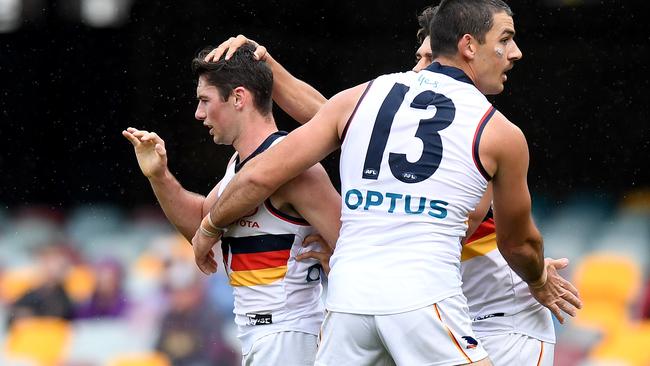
499	51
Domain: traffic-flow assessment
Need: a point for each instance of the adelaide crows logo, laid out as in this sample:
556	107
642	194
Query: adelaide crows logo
471	342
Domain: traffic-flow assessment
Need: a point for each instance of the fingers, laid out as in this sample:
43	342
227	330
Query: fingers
557	313
572	299
132	139
207	264
312	254
260	53
313	238
560	263
231	45
569	286
236	43
160	149
216	54
316	238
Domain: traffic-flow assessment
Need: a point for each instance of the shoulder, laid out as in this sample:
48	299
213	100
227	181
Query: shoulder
501	140
351	95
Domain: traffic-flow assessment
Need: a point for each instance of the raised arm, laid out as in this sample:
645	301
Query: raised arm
184	209
299	99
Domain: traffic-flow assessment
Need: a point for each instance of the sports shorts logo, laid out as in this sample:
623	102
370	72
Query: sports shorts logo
259	319
471	342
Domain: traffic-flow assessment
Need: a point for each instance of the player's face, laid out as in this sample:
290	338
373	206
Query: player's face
216	114
423	56
496	56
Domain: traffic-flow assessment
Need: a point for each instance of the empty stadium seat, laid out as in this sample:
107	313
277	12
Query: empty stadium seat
42	340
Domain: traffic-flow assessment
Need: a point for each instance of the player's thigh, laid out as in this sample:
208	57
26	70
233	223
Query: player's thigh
351	339
283	348
518	349
439	334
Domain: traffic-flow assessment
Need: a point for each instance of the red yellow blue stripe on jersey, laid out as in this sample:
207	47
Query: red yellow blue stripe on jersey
257	260
483	241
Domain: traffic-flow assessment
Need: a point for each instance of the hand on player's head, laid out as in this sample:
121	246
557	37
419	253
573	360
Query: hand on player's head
231	45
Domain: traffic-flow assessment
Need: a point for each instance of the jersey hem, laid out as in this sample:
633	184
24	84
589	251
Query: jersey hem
405	309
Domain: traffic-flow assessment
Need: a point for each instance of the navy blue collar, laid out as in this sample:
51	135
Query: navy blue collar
452	72
265	145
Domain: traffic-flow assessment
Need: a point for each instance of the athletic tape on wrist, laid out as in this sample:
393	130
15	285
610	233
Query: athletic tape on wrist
540	282
212	225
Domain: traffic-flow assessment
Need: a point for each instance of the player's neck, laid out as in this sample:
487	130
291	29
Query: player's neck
457	63
253	132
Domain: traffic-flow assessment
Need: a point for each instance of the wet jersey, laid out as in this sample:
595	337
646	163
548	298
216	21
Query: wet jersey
499	300
273	292
409	176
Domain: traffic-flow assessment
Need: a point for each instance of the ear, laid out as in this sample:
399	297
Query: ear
240	97
467	47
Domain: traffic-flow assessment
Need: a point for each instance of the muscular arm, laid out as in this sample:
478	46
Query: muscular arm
312	195
518	239
299	99
506	156
184	209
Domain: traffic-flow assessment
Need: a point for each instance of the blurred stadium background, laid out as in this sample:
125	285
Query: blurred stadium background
81	239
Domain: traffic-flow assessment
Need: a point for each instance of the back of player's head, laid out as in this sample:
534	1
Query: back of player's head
424	20
240	70
456	18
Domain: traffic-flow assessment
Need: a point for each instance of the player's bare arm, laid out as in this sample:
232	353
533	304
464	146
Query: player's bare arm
299	99
518	239
313	197
183	208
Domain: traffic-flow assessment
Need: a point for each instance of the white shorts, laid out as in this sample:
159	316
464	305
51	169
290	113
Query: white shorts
518	349
288	348
439	334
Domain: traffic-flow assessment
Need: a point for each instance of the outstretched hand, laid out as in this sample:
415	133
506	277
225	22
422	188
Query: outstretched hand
149	150
322	256
231	45
557	294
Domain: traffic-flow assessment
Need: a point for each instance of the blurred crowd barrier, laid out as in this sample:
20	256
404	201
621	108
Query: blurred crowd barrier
98	285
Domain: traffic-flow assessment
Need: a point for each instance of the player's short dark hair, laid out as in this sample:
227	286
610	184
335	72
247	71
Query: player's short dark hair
240	70
456	18
424	19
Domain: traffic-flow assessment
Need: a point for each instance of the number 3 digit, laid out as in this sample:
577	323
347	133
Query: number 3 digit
427	131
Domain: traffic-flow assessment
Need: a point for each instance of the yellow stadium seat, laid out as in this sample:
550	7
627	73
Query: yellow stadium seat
140	359
14	283
79	283
41	340
608	284
627	347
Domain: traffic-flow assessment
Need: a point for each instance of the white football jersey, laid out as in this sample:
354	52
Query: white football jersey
499	300
409	176
272	290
